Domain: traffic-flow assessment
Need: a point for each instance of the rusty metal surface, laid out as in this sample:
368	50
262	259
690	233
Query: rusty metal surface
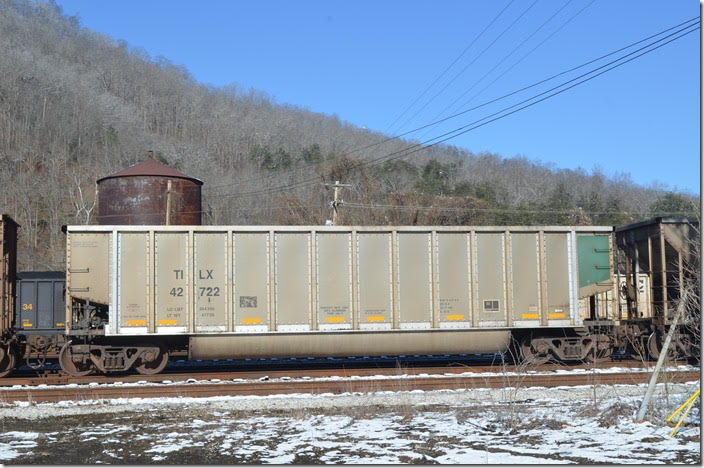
142	200
661	248
151	167
141	194
412	380
8	273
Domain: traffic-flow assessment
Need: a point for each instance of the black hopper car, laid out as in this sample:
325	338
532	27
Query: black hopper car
40	314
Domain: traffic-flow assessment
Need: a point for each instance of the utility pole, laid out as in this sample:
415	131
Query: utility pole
684	297
336	199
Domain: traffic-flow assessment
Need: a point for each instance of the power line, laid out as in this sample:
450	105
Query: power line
462	130
510	26
506	57
129	215
525	88
533	50
492	117
449	66
576	210
469	127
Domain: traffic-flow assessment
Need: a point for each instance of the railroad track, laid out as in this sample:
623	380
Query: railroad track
178	373
354	380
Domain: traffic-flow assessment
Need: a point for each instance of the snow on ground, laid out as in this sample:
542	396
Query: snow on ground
587	424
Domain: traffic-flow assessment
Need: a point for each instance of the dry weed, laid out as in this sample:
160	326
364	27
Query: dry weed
611	415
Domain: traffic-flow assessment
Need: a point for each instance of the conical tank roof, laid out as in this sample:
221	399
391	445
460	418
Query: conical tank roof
150	167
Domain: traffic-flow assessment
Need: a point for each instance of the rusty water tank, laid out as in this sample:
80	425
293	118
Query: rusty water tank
149	193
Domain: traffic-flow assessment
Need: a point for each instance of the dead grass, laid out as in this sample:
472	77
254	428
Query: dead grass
611	415
541	423
589	411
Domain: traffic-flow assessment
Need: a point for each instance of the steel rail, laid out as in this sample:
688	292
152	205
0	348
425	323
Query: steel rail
338	386
313	371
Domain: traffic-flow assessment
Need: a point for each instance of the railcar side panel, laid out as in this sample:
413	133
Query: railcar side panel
88	266
133	282
171	282
453	281
293	281
210	282
251	292
595	263
45	309
491	280
414	284
334	281
557	278
374	281
525	279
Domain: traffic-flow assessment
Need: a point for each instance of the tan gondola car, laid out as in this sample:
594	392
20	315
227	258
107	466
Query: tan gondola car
258	291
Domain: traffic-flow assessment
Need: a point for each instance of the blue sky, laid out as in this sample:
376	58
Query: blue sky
368	61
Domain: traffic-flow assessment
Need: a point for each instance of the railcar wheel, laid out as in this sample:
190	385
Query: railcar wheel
8	361
601	350
655	343
156	364
531	356
598	355
71	367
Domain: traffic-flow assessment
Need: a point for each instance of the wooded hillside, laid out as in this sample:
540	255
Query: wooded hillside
76	105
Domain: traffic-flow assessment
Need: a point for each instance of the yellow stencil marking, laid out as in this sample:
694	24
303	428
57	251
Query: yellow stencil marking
27	325
560	315
375	318
454	317
168	322
251	321
335	319
60	324
136	323
530	316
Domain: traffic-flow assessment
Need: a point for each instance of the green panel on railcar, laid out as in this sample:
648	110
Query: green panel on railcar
594	259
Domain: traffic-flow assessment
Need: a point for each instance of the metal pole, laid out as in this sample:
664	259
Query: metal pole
168	202
661	359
